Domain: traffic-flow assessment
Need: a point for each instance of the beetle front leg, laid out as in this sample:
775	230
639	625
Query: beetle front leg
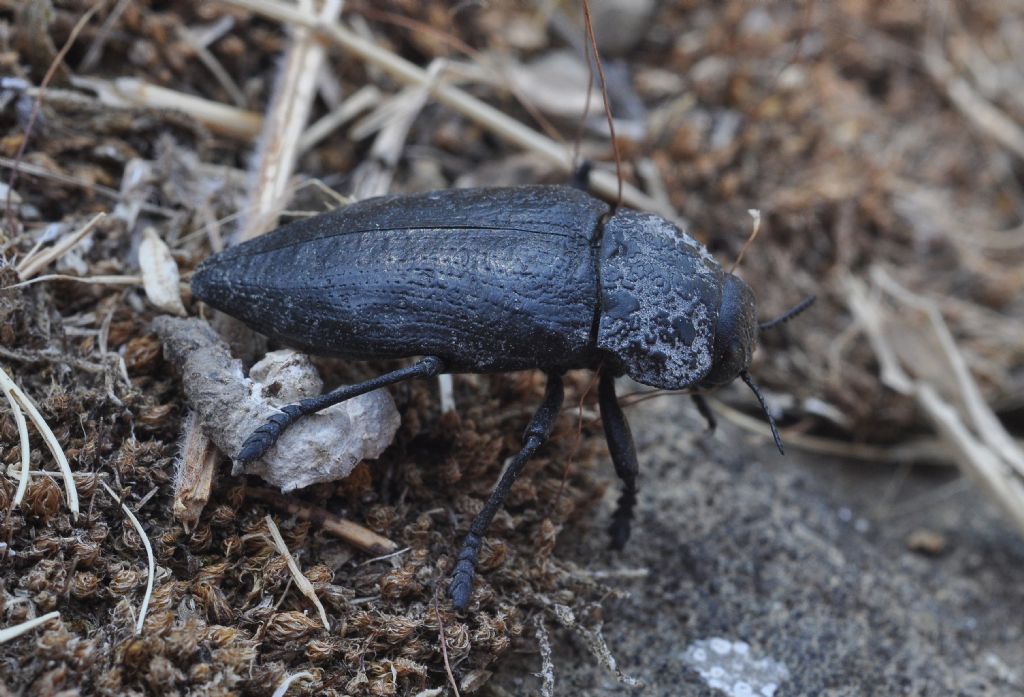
261	440
705	410
623	452
537	432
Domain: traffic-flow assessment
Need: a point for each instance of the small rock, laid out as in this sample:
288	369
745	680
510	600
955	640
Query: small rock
927	542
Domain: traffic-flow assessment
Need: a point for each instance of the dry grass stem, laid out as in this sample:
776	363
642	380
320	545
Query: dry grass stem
31	170
444	647
931	450
446	392
34	263
150	561
98	280
984	115
605	183
19	420
39	422
364	98
95	50
282	689
905	330
754	230
300	580
9	633
392	121
215	67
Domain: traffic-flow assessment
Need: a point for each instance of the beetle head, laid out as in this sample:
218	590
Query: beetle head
735	334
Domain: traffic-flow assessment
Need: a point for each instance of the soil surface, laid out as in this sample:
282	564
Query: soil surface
801	561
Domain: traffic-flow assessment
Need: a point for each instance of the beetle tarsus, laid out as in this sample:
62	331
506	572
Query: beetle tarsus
460	589
705	410
623	452
619	530
264	437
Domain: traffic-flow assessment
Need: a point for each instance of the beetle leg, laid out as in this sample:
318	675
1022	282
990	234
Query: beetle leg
705	410
581	177
623	452
537	432
261	440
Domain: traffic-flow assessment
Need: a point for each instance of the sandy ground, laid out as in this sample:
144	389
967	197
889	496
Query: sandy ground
792	576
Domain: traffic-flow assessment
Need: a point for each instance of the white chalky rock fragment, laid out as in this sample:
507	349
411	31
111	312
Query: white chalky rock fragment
732	668
321	447
230	406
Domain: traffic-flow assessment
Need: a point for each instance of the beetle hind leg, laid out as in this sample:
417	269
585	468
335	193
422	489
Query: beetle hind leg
623	452
461	587
264	437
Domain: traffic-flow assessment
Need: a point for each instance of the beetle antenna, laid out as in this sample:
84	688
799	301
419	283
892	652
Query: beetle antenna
589	26
788	314
745	376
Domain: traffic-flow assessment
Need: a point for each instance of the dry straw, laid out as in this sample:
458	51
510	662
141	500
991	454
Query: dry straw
21	401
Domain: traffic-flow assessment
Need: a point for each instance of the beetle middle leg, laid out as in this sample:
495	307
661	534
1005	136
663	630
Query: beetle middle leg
261	440
623	452
537	432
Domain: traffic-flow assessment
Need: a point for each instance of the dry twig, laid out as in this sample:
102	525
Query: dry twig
193	478
356	535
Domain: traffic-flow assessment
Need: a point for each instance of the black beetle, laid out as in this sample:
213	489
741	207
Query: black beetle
494	280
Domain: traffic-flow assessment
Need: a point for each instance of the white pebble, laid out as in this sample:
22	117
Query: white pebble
721	646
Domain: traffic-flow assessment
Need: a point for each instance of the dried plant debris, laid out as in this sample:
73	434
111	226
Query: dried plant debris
321	448
870	135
